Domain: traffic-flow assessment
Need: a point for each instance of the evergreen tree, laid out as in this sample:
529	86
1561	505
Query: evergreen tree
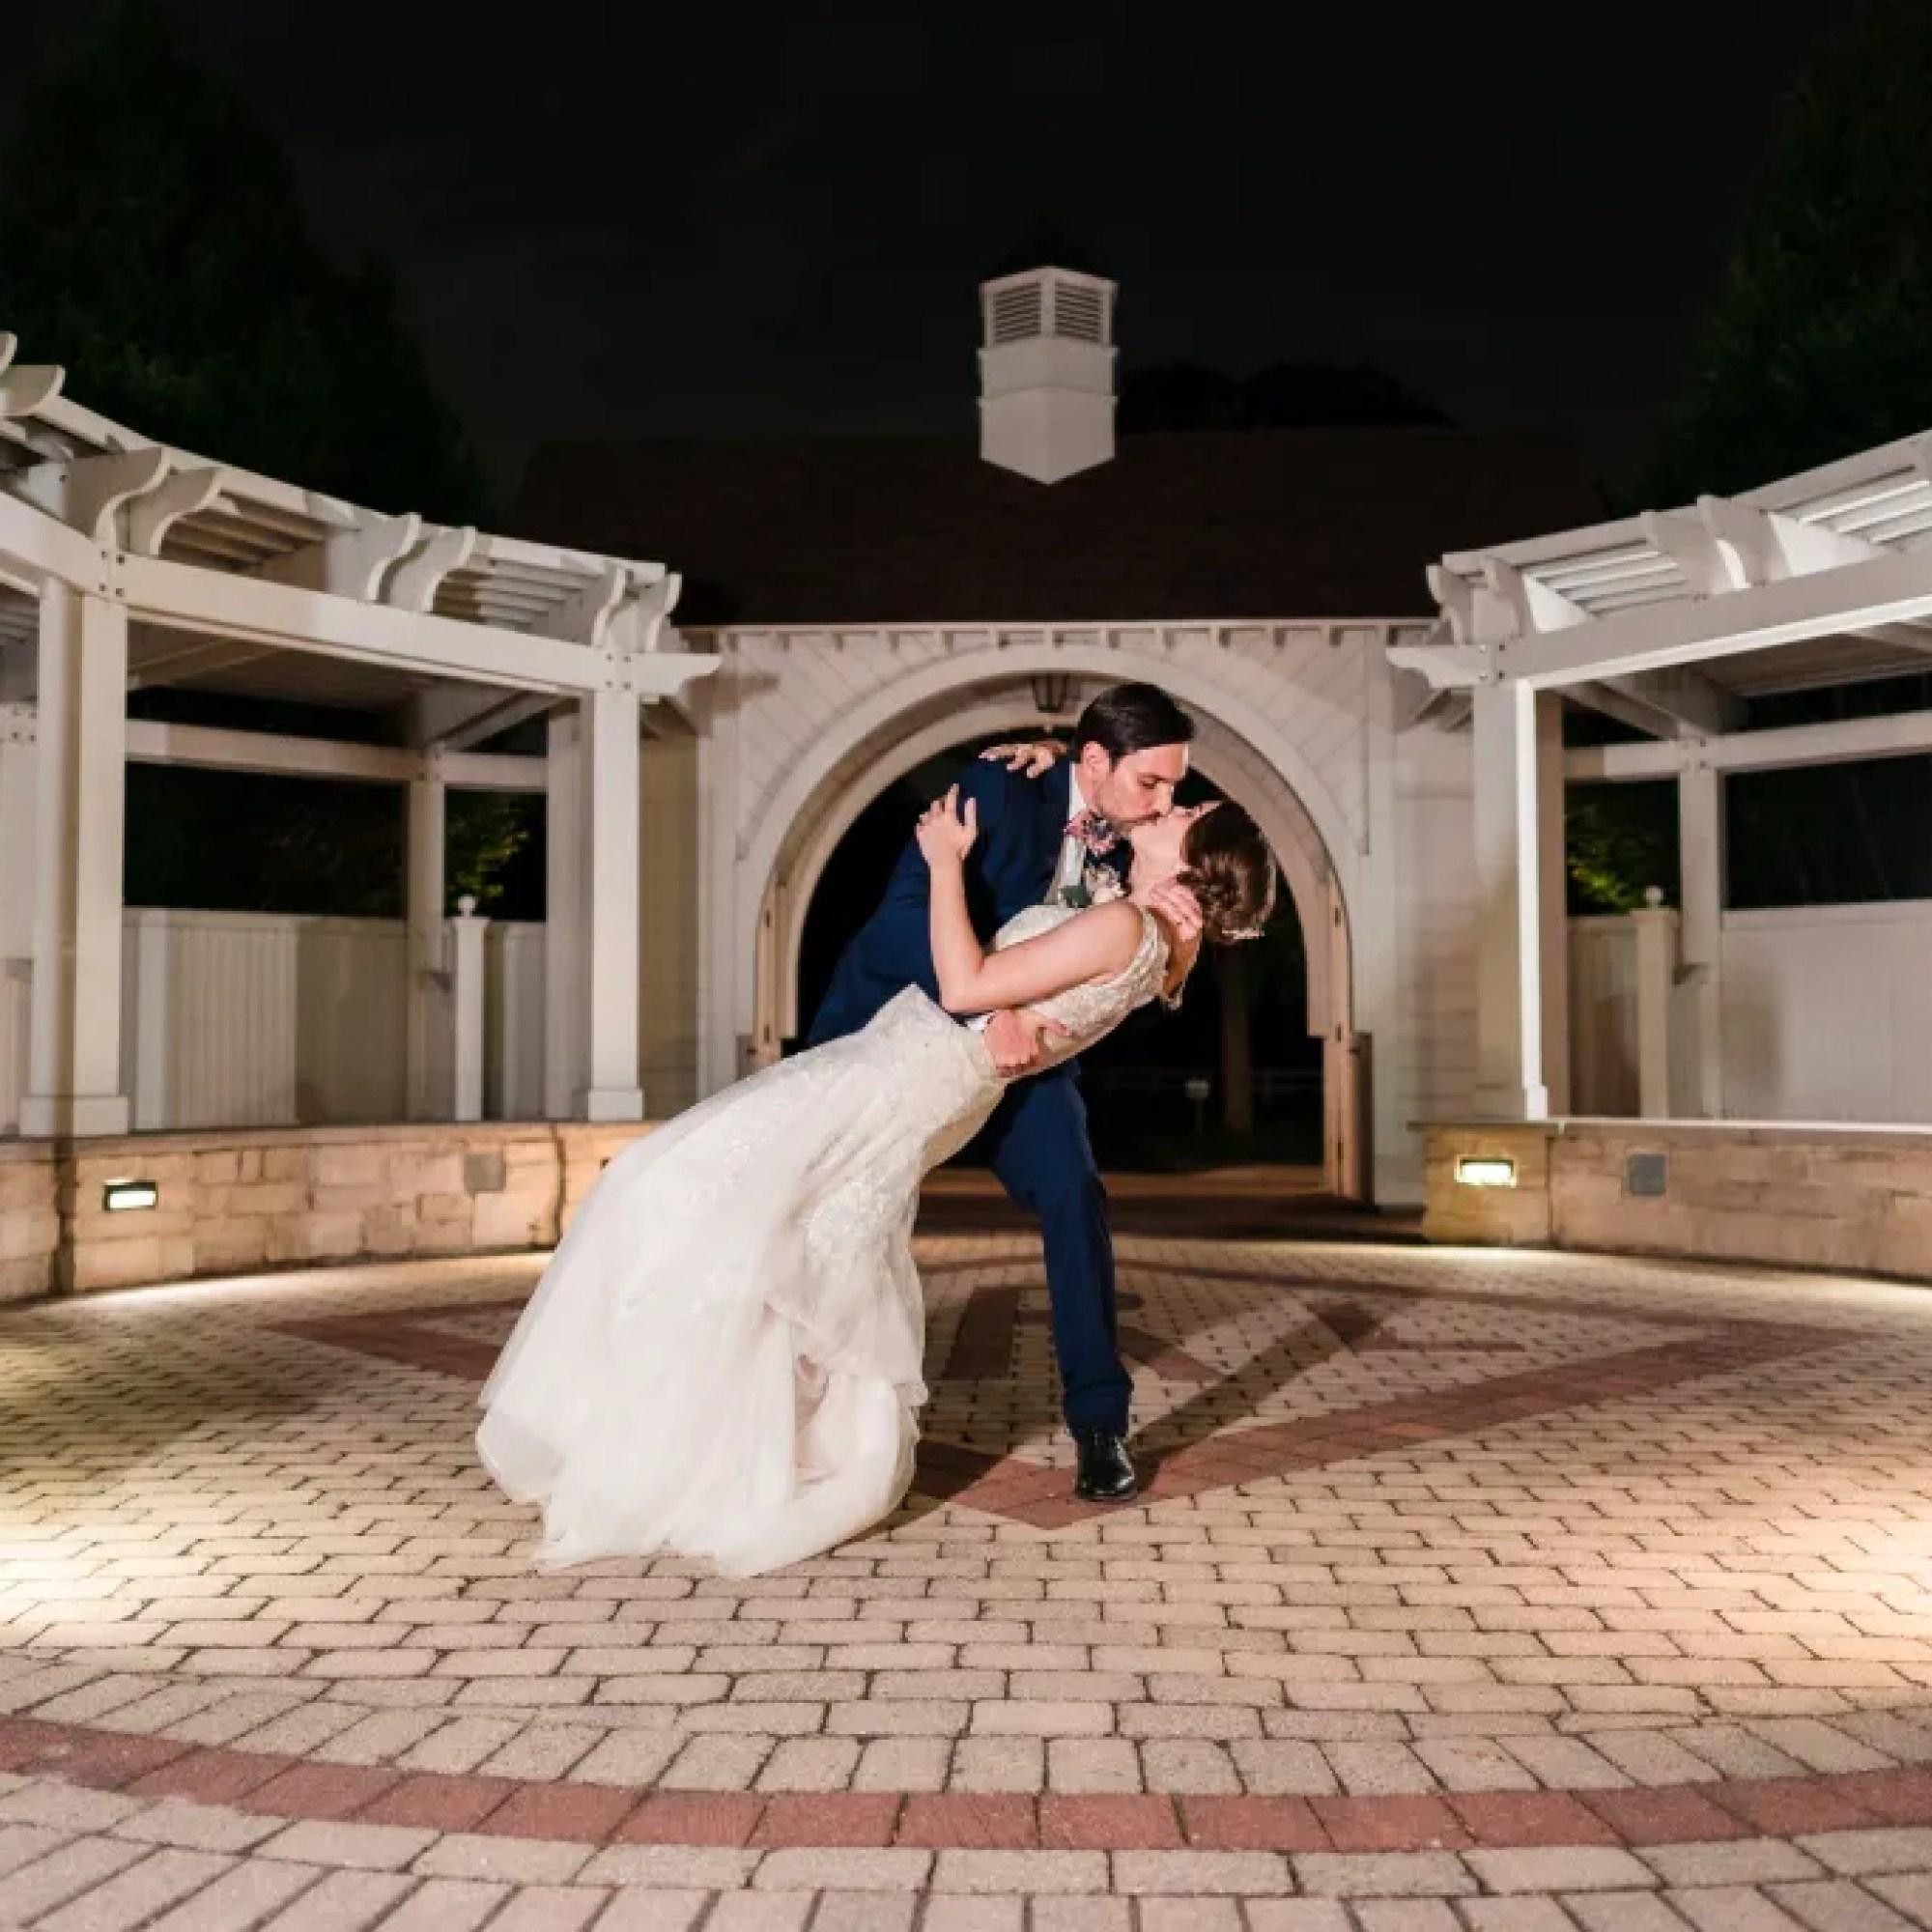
152	241
1820	339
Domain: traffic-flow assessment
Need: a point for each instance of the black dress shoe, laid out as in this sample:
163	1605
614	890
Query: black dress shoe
1106	1475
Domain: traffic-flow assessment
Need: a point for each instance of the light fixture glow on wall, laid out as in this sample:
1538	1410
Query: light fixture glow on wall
129	1197
1482	1173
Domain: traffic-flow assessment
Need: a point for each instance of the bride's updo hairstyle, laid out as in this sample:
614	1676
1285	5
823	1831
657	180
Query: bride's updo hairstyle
1230	872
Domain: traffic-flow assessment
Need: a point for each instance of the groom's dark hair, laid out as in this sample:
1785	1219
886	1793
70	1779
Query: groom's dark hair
1132	718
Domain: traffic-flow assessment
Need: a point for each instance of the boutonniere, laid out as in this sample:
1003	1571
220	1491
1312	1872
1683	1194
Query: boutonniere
1099	885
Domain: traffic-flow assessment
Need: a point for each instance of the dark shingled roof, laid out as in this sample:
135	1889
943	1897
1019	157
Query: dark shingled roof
847	530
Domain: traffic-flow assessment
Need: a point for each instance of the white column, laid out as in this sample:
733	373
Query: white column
718	939
611	728
1522	998
467	933
1700	839
18	757
424	889
1656	984
74	1083
563	919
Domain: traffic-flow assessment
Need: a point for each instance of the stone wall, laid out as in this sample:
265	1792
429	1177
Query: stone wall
238	1202
1850	1199
29	1219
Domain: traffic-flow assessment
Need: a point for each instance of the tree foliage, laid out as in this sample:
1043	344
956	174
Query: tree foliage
234	842
1620	841
152	241
1819	341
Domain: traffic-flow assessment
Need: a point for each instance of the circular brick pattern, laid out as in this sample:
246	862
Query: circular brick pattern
1443	1555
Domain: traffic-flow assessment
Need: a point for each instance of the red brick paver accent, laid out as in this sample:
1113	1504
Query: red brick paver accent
590	1813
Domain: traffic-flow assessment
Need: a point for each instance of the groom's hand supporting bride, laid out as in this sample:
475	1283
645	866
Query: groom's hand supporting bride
1018	1042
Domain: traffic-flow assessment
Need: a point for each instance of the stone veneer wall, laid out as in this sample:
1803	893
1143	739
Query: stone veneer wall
29	1219
237	1202
1851	1198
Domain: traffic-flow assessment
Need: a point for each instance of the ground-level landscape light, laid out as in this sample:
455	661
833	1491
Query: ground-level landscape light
1479	1172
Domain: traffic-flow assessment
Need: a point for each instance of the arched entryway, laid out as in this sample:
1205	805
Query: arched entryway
826	793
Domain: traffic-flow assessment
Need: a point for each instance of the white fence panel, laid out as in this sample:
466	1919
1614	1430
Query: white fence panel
1602	1016
513	1023
261	1020
351	1037
267	1020
208	999
1827	1013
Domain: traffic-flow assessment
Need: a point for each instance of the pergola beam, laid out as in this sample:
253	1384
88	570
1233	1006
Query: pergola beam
1753	579
1682	702
44	549
446	718
225	604
1895	589
1843	741
276	754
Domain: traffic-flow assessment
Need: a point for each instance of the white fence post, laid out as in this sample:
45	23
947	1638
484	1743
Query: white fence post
469	932
1656	932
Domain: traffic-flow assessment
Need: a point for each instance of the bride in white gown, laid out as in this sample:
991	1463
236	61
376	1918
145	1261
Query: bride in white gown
724	1357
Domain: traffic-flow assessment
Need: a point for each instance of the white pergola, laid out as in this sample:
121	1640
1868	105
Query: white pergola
125	563
1667	621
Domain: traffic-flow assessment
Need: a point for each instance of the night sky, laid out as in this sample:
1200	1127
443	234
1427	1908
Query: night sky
726	219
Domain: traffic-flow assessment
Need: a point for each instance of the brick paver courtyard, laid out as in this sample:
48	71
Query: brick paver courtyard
1507	1592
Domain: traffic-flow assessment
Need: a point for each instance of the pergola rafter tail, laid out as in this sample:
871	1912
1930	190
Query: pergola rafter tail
1843	551
72	482
127	564
1669	619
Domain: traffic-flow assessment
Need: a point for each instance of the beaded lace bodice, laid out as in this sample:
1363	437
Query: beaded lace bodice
1090	1011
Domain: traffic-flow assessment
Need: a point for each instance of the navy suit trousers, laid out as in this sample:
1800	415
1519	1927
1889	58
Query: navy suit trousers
1044	1160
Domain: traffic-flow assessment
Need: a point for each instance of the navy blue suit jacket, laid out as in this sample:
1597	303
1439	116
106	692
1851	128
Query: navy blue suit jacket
1022	822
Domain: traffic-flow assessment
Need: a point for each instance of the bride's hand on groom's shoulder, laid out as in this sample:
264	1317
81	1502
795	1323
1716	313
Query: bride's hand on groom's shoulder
1032	760
946	834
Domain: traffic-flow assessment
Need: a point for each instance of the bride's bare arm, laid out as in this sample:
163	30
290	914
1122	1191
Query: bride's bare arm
1095	946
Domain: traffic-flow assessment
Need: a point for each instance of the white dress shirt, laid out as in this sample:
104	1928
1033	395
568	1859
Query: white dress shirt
1071	867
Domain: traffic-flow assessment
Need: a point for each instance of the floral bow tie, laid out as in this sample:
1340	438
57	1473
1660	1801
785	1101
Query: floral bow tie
1099	835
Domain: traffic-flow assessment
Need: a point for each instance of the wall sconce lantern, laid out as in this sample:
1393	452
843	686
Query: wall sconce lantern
1053	692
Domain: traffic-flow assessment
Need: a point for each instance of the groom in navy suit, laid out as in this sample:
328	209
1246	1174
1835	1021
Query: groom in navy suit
1039	840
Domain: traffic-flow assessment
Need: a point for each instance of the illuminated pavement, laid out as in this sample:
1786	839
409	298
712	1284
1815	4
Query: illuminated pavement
1504	1592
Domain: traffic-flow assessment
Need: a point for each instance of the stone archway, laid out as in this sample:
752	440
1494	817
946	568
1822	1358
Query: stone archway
902	726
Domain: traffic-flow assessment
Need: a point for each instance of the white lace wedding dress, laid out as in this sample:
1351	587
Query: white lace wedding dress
724	1357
